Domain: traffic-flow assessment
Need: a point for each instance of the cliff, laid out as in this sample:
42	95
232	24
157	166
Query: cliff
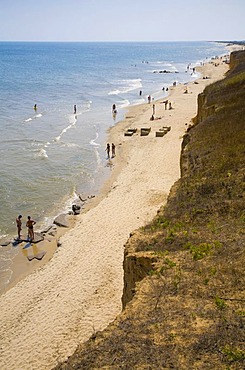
184	272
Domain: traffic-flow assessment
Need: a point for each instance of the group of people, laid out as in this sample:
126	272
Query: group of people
111	149
29	224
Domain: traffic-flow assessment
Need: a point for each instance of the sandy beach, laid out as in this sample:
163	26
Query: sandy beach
78	291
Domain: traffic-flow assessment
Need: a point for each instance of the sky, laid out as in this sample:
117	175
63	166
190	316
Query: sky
122	20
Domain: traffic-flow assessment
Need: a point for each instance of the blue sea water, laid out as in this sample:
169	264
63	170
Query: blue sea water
50	155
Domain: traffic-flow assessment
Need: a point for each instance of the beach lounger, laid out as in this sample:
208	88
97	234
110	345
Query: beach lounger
130	131
160	133
165	128
144	131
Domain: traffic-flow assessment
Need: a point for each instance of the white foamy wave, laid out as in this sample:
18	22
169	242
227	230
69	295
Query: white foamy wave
125	86
123	104
162	63
42	153
34	117
73	119
71	145
98	157
88	106
93	141
65	130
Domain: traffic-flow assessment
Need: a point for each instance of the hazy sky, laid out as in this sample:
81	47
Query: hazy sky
121	20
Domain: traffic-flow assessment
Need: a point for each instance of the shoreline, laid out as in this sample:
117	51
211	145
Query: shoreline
78	291
21	266
91	253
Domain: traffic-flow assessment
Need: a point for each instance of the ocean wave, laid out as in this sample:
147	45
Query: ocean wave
70	145
34	117
162	63
125	86
98	157
57	138
123	104
42	153
93	141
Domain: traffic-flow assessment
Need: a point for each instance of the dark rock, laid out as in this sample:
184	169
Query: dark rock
76	209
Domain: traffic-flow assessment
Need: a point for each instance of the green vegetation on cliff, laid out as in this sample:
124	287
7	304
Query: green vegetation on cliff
188	311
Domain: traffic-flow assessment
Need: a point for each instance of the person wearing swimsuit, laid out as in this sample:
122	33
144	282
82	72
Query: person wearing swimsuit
18	223
29	224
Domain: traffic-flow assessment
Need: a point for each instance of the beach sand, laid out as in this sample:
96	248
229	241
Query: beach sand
78	291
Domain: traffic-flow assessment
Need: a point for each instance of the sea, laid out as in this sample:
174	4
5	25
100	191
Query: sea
50	156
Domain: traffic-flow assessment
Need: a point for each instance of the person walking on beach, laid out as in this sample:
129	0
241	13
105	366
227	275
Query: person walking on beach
29	224
108	150
113	150
149	99
19	223
75	109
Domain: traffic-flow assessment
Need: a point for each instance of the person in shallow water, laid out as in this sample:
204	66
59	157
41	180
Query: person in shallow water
19	223
29	224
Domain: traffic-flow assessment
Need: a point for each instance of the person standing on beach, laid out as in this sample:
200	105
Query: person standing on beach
108	150
19	223
153	109
75	109
113	150
29	224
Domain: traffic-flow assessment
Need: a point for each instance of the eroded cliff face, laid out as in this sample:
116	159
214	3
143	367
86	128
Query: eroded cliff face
136	265
215	107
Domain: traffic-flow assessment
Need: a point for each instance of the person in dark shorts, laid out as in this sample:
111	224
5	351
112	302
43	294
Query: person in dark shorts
108	149
19	223
113	150
29	224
